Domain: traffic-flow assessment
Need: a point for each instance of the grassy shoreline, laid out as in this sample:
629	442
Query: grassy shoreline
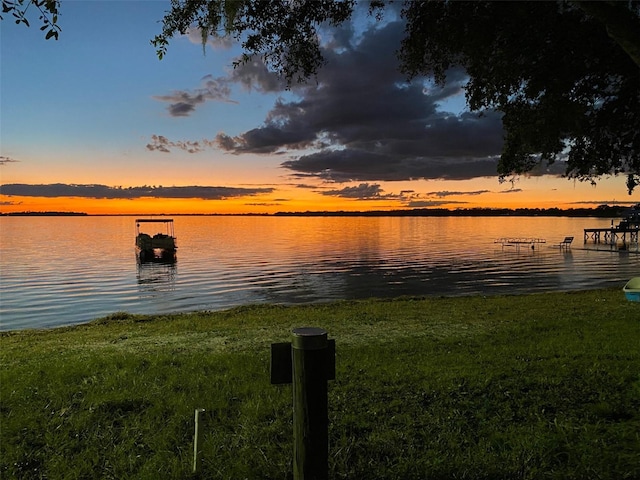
531	386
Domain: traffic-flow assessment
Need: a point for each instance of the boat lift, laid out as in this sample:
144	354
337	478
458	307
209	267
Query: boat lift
518	242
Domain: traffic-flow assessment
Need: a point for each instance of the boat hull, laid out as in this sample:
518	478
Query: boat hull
156	255
632	290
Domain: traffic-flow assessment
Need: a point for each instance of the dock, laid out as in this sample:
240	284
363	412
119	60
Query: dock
628	227
612	235
518	242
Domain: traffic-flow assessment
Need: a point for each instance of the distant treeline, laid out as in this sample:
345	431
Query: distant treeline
44	214
600	211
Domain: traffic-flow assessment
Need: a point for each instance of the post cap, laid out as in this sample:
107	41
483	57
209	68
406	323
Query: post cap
309	338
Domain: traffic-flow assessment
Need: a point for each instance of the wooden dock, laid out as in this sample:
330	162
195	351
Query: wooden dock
629	227
612	235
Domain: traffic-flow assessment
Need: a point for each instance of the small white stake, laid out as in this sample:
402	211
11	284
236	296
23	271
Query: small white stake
197	440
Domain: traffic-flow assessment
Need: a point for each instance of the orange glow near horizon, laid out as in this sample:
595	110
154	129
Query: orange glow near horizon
479	193
186	206
251	205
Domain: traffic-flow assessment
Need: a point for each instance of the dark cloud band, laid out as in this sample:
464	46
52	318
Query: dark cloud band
362	165
129	193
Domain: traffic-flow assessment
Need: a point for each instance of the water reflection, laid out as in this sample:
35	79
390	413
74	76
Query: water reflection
622	248
156	277
229	261
531	272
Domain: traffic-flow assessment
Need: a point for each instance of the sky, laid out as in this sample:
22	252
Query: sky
94	122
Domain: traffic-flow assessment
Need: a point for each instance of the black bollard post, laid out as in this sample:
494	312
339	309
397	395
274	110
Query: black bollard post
308	362
310	409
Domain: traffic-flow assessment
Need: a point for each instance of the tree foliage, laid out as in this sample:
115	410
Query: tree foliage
565	86
283	32
47	12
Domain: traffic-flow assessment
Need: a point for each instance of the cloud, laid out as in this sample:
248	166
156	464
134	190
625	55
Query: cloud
183	103
263	204
605	202
511	190
254	75
251	75
363	165
106	192
364	191
161	143
431	203
361	121
4	160
265	140
447	193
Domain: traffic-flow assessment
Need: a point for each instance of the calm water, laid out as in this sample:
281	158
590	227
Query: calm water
65	270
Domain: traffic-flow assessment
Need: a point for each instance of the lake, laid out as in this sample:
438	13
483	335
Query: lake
66	270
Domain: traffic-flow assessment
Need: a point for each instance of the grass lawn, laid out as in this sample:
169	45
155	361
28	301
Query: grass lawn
537	386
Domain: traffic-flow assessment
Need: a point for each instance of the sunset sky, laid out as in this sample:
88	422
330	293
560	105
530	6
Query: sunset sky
94	122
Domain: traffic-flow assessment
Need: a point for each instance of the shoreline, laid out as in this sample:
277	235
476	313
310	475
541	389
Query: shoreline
327	303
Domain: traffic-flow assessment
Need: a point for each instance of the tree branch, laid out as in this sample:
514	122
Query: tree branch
622	27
